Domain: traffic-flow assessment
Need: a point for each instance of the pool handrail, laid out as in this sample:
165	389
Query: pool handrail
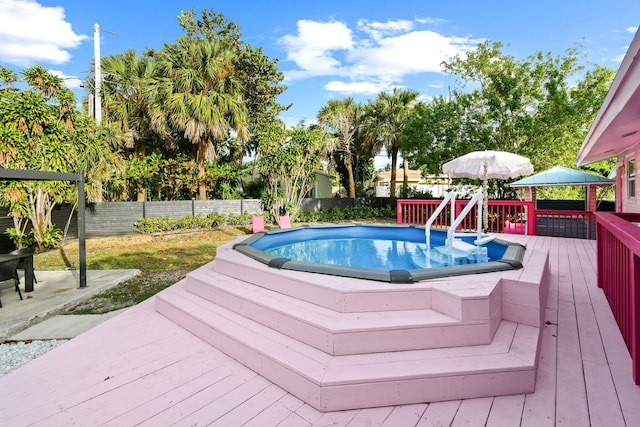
477	199
448	197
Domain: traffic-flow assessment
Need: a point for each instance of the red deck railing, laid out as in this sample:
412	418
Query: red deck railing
557	223
618	248
618	264
505	216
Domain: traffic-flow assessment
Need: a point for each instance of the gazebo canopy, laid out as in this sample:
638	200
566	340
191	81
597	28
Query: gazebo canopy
560	175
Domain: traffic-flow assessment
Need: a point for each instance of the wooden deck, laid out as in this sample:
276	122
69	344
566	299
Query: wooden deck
139	368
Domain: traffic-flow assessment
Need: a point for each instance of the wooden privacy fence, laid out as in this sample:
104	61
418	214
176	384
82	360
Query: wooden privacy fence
618	265
505	216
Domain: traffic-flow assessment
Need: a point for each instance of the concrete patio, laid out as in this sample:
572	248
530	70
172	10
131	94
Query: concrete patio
55	292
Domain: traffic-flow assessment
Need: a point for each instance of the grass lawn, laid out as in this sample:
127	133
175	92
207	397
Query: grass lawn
163	260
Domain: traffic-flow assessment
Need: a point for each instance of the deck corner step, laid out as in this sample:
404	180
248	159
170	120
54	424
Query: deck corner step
329	383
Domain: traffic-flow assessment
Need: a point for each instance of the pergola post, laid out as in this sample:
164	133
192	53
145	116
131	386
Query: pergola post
530	195
592	201
82	251
31	175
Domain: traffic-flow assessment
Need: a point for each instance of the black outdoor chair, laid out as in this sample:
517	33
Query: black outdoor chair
22	264
9	271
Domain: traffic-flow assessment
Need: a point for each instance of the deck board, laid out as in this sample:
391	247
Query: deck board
276	413
604	407
473	412
539	408
405	415
371	417
248	410
139	368
506	411
293	420
439	414
571	404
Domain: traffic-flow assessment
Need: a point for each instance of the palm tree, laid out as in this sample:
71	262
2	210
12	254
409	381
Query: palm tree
201	96
343	118
386	118
126	98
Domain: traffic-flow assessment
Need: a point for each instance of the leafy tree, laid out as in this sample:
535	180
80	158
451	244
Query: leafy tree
443	129
258	74
198	97
201	96
387	118
343	118
40	129
540	107
287	160
127	101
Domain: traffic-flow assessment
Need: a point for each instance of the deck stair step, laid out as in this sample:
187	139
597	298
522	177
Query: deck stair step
460	252
336	293
429	259
336	382
333	332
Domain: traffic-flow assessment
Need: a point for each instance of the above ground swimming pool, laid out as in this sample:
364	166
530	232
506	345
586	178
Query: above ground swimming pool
386	253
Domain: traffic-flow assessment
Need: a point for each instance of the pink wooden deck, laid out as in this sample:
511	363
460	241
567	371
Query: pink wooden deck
141	368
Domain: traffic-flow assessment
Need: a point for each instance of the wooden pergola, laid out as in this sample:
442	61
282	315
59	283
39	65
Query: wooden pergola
31	175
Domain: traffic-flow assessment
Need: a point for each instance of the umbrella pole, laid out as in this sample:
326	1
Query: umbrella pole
485	200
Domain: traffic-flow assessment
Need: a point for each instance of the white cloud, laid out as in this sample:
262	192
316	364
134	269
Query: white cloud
631	30
377	30
312	47
413	52
31	33
435	21
373	55
363	88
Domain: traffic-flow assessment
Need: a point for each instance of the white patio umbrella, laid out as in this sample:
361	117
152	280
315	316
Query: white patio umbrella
487	165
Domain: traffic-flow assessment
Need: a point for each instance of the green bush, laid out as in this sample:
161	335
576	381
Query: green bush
215	219
190	222
155	225
354	213
243	219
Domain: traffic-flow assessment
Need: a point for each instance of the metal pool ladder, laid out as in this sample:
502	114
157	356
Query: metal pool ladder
450	197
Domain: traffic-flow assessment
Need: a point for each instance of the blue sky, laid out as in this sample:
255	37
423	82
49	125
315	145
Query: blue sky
327	49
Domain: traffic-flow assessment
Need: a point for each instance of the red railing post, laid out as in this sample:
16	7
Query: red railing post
618	264
532	219
634	341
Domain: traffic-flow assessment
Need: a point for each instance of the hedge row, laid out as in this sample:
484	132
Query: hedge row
212	220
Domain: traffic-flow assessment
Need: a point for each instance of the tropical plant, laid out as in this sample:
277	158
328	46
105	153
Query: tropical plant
343	119
200	95
287	160
127	100
40	129
540	107
387	116
259	75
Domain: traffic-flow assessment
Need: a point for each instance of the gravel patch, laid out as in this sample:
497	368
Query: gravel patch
13	355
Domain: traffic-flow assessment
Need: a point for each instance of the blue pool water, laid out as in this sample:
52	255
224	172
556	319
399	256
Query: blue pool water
365	253
377	247
395	254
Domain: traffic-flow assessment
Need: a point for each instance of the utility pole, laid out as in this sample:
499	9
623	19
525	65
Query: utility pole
98	77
